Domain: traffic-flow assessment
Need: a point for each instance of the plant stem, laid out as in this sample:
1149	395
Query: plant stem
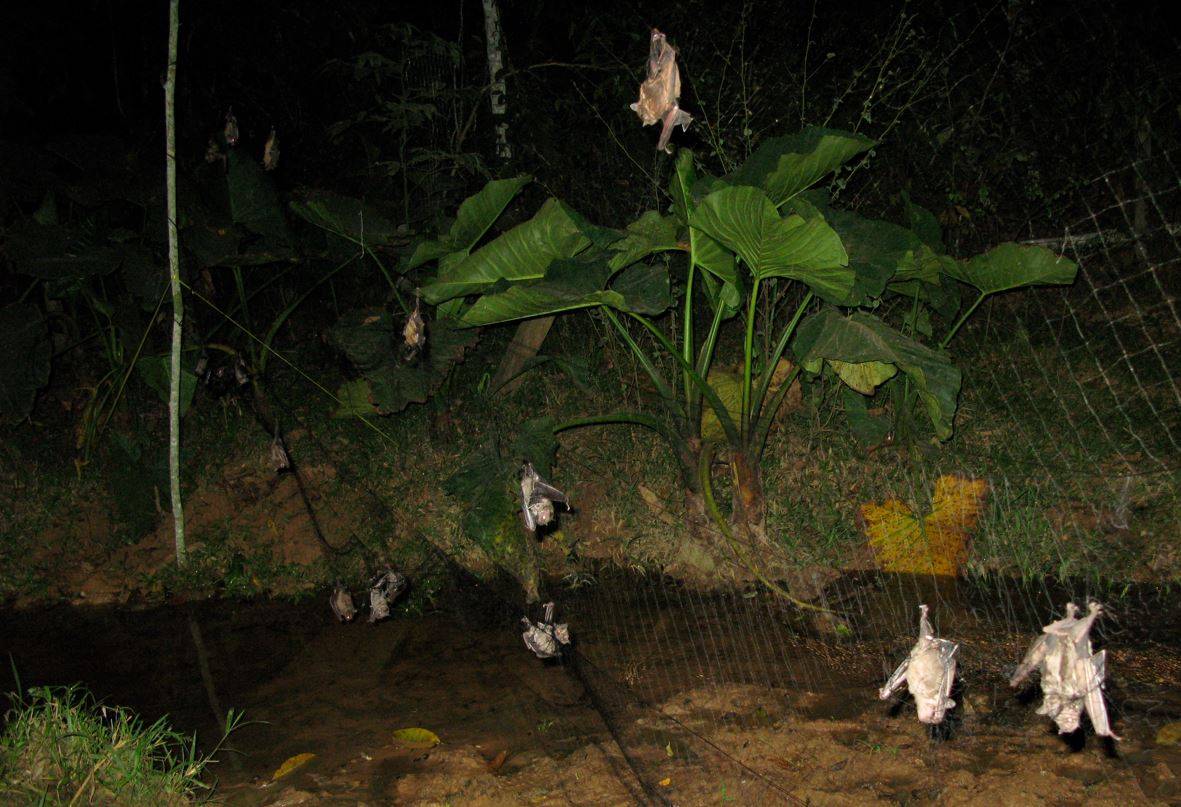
773	359
711	506
747	350
960	321
687	325
178	513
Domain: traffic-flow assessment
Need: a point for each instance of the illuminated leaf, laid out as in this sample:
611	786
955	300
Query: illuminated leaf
863	376
935	544
291	765
416	738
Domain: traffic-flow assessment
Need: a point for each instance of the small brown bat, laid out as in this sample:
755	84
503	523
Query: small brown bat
660	91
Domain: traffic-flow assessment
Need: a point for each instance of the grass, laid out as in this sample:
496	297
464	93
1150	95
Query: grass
59	746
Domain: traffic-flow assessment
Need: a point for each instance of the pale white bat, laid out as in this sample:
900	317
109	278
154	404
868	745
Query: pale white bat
1072	675
537	498
929	672
545	638
384	589
661	91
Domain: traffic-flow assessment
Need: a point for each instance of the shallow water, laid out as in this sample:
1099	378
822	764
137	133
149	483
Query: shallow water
673	696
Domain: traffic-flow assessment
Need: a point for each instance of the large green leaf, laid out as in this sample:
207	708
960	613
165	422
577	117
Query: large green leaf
745	220
347	218
476	214
861	338
881	252
924	223
1011	266
784	166
648	234
571	284
371	339
715	258
156	372
943	298
481	210
522	253
25	351
680	186
62	255
254	204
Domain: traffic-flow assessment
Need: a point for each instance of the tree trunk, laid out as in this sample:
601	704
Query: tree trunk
178	306
526	342
496	88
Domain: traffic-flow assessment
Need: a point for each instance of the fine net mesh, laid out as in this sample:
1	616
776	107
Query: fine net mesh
1069	420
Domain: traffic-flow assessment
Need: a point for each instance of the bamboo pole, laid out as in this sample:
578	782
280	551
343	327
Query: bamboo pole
178	513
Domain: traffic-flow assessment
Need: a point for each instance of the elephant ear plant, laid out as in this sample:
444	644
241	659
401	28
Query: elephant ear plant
761	248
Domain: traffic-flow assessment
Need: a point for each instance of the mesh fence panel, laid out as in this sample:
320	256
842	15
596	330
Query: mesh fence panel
1072	411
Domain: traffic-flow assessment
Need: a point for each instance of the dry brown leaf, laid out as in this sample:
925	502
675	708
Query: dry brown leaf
935	544
497	762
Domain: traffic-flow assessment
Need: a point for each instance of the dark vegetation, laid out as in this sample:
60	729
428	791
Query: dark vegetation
719	407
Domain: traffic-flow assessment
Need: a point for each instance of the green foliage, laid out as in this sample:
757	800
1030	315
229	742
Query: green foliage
865	352
489	486
24	359
757	234
61	747
371	339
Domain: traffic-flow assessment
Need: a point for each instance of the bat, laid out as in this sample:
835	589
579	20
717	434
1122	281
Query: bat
929	672
414	331
545	638
384	589
280	460
537	498
341	603
661	90
270	152
1071	674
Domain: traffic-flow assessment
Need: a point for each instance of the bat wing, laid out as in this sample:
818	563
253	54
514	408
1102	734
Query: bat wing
656	48
947	651
896	680
549	492
527	484
1033	657
1095	670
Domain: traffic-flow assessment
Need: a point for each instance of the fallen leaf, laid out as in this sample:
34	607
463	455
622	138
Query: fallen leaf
292	764
497	762
666	781
1169	734
416	738
935	544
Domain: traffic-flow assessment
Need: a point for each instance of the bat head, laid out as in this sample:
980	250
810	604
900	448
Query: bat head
542	510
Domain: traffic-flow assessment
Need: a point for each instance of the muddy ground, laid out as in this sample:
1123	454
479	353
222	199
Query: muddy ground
671	697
